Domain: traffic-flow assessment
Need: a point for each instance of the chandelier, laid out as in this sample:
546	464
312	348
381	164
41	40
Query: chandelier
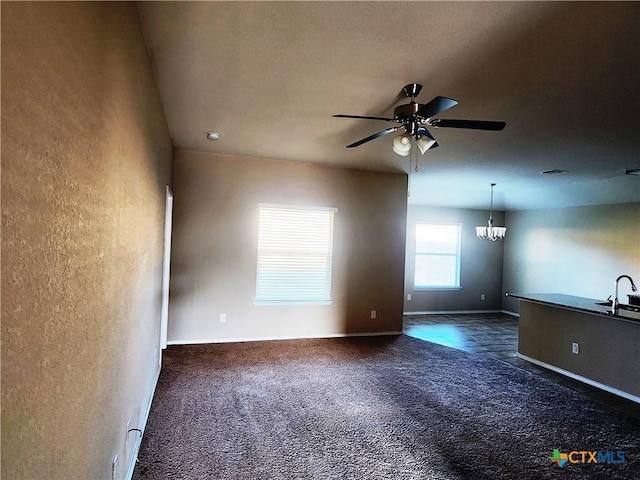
490	232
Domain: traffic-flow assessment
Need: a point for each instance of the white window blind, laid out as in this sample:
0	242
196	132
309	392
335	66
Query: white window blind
294	254
437	256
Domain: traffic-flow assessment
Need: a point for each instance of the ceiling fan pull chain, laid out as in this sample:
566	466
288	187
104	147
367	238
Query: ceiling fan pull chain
409	177
415	150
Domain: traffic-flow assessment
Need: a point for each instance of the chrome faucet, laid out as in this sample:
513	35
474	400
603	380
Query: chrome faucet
614	304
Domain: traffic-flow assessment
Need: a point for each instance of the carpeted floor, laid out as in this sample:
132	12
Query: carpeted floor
370	408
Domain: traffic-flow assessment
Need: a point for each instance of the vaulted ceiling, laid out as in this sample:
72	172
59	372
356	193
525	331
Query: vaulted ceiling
268	76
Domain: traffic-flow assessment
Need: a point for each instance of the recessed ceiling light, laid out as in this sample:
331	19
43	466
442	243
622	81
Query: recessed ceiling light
632	171
555	171
213	136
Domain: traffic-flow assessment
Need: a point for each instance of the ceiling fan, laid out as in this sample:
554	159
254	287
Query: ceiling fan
416	117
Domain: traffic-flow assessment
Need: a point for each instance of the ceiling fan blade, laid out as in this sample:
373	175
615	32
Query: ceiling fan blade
435	106
365	117
381	133
472	124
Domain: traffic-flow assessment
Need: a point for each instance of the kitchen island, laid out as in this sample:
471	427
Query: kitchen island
580	338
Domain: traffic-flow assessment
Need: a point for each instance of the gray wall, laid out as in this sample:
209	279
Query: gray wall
480	263
213	266
608	347
576	251
85	158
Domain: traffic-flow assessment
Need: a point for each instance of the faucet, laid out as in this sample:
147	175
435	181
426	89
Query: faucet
614	304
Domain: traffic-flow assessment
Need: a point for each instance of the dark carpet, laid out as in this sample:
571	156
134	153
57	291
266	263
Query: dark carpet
370	408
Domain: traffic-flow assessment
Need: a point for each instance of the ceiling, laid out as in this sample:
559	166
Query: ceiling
268	76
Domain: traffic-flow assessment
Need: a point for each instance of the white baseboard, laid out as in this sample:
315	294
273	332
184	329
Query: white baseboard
580	378
512	314
451	312
270	338
136	447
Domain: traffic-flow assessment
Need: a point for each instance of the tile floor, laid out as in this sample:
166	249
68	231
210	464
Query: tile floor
496	335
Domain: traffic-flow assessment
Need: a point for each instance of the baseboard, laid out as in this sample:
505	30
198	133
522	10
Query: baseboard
451	312
270	338
136	447
580	378
512	314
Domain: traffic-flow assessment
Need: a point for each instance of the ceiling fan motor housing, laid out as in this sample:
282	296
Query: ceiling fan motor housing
404	111
408	115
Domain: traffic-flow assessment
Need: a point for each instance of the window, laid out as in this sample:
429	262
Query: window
437	256
294	254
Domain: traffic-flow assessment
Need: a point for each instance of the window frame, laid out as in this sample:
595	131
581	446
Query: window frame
457	256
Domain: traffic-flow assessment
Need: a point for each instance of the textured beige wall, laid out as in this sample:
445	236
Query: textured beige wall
480	263
608	353
85	159
213	265
577	251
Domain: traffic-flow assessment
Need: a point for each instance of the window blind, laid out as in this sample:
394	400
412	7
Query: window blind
437	260
295	247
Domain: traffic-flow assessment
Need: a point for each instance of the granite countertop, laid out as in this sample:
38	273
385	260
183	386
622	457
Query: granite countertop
589	305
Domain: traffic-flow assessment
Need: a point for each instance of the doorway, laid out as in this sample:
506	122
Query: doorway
166	268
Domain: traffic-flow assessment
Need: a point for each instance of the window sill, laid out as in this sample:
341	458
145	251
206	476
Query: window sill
418	289
285	303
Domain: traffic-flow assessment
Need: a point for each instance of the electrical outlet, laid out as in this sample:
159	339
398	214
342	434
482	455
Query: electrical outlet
373	314
483	297
223	318
408	296
575	348
114	468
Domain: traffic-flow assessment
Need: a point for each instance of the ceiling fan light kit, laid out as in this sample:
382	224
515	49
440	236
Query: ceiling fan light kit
424	144
415	117
490	232
402	145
